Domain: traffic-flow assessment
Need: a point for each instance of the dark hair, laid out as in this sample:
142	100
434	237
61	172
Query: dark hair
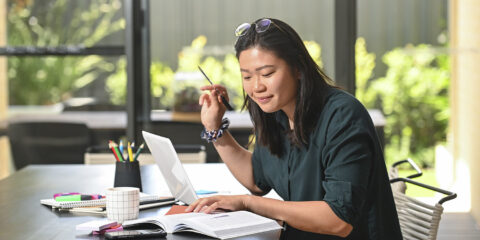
313	85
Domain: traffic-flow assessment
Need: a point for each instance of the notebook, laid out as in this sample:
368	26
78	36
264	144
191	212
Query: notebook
171	168
144	198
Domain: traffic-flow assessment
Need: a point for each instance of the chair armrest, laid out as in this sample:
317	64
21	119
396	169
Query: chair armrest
412	164
450	195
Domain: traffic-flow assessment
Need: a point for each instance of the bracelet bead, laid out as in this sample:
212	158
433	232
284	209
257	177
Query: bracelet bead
213	135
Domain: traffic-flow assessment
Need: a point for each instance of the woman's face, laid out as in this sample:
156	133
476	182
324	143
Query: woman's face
268	80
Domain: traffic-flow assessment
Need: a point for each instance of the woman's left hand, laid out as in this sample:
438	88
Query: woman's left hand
209	204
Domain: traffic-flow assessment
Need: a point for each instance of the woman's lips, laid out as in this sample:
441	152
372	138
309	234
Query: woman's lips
264	99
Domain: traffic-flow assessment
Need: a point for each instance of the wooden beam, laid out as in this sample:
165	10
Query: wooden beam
5	162
465	100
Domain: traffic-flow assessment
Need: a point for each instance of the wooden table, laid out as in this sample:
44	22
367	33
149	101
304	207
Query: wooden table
23	217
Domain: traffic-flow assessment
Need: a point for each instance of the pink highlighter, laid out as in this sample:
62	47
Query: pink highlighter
115	228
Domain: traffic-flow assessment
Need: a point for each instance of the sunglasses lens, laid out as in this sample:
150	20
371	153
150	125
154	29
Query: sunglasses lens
263	25
242	29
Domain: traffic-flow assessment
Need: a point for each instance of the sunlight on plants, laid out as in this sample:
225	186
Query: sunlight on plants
413	96
47	80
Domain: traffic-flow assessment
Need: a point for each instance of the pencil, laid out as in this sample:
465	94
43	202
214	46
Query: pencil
115	146
224	100
120	147
138	151
110	145
130	155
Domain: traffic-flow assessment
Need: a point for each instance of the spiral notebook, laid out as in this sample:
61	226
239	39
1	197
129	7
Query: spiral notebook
144	198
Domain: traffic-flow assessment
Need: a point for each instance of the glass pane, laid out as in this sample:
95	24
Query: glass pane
187	34
64	82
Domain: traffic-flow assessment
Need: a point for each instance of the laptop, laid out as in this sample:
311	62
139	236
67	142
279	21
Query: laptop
171	168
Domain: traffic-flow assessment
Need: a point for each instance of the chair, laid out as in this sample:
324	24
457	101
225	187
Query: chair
47	142
185	136
393	173
419	220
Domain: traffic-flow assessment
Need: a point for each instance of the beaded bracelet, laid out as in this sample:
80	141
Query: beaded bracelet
212	136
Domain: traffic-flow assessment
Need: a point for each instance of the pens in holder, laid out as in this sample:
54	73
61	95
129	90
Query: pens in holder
138	152
120	147
224	100
112	145
130	154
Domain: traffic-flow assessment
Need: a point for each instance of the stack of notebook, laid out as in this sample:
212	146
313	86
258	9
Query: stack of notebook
99	205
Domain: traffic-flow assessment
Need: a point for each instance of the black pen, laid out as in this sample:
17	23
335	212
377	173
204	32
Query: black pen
224	101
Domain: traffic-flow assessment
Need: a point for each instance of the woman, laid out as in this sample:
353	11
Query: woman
316	145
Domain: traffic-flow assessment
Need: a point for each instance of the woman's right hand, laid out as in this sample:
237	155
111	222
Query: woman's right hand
212	107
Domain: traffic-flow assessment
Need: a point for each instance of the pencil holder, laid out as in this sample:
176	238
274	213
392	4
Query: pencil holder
127	174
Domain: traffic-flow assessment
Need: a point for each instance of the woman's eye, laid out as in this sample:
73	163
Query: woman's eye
246	78
268	74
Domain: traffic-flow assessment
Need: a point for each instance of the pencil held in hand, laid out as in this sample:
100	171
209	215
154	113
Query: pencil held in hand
224	100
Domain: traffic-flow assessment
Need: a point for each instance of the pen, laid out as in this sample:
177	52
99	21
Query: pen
78	197
224	100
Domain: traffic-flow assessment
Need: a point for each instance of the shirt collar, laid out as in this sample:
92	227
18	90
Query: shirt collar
282	119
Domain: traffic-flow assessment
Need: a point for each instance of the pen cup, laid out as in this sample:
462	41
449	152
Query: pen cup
122	203
127	174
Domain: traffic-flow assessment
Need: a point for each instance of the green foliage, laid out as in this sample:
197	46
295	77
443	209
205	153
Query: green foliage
161	82
46	80
364	65
224	71
413	97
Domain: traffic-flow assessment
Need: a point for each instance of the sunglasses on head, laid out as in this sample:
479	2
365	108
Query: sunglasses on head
260	26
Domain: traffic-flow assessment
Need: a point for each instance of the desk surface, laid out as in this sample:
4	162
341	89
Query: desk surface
23	217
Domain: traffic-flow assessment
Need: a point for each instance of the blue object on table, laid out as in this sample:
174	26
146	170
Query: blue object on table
202	192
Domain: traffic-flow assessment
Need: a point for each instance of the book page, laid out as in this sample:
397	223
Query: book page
167	223
231	224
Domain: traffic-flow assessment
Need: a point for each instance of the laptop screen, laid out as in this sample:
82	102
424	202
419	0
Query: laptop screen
171	168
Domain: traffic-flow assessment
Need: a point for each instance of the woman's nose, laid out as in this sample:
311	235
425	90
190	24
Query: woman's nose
258	85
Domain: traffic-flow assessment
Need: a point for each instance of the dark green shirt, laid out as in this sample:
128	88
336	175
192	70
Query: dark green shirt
342	165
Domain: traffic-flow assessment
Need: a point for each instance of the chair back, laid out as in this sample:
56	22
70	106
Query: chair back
48	142
419	220
394	173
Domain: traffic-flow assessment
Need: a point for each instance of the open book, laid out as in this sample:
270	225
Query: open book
218	225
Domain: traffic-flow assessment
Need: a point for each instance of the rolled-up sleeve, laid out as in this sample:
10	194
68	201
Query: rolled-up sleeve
347	157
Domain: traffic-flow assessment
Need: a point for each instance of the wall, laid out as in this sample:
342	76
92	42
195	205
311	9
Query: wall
465	100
